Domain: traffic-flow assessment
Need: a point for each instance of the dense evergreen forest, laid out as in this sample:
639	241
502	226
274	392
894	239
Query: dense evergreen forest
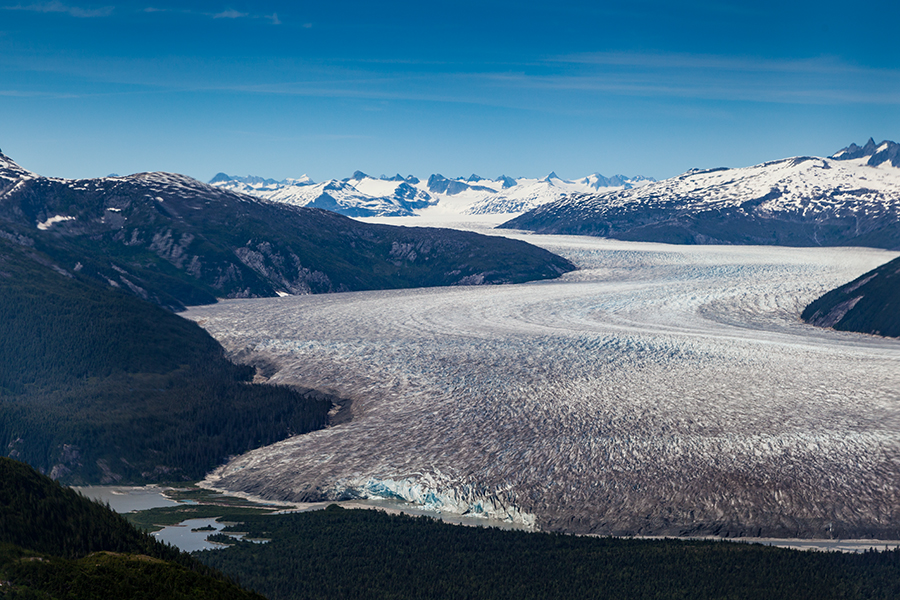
336	553
56	544
98	386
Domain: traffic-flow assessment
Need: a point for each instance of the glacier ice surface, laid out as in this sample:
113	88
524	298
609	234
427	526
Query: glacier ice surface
663	390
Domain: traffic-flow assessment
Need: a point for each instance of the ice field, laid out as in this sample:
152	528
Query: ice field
658	390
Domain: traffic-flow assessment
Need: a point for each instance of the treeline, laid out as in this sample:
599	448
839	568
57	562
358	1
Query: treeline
97	386
339	553
50	537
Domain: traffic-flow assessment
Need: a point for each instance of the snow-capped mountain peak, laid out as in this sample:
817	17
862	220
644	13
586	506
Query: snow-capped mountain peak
878	154
851	198
8	164
531	193
364	195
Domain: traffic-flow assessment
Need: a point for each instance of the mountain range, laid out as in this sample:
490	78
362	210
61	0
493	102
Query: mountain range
100	384
176	241
849	198
361	195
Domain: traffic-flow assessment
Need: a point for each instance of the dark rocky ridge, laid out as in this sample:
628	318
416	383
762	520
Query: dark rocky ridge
175	241
886	151
868	304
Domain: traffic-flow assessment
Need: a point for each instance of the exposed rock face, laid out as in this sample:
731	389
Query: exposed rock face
868	304
876	154
175	241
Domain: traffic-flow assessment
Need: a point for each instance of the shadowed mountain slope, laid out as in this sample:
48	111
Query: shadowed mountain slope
175	241
868	304
98	386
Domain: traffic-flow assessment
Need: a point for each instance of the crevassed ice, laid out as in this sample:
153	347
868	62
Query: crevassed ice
659	389
425	491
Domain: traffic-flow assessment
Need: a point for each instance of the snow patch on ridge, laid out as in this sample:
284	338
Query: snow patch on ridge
52	220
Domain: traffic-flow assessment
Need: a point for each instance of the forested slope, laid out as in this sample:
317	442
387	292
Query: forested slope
98	386
57	544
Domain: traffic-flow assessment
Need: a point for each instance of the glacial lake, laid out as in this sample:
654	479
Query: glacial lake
123	499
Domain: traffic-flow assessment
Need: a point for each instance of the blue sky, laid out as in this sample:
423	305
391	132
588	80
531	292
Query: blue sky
517	88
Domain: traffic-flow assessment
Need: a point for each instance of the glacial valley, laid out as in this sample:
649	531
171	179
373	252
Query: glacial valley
657	390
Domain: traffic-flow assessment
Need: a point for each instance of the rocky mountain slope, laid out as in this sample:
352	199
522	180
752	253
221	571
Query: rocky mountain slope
868	304
175	241
851	198
363	196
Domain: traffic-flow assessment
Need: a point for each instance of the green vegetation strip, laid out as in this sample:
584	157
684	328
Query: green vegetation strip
198	503
337	553
191	492
157	518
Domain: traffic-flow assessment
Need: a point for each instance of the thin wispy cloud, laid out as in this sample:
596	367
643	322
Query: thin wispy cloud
656	77
819	65
55	6
823	80
230	14
58	7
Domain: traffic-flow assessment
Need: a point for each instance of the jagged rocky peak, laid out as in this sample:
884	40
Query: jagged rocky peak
248	179
886	151
5	161
508	182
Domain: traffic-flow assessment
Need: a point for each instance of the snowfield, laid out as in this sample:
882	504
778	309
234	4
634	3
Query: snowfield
659	390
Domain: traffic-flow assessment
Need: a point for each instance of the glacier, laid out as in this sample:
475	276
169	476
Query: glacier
658	390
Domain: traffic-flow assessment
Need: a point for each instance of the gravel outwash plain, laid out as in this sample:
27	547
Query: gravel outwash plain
658	390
